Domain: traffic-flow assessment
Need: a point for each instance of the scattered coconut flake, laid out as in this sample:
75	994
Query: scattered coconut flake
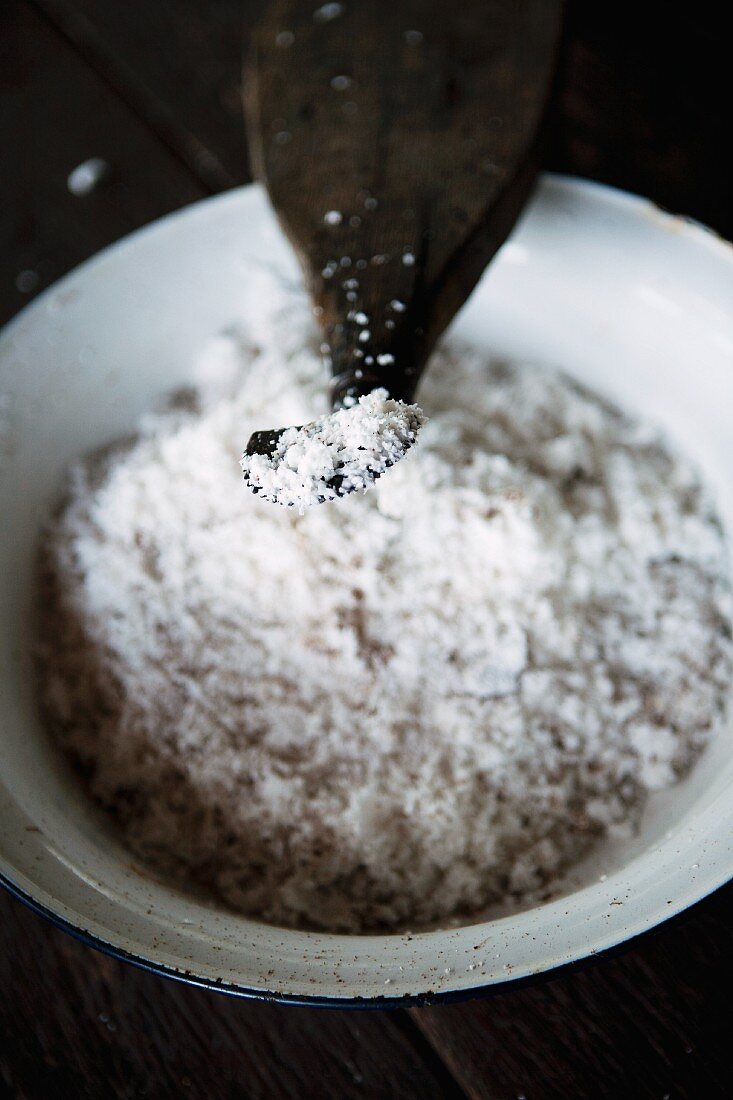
83	179
327	12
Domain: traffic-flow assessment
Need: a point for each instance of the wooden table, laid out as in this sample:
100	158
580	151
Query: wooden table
154	90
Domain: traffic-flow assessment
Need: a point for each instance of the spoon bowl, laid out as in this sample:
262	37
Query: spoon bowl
339	454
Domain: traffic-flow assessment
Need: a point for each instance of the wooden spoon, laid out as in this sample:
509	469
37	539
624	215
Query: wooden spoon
398	143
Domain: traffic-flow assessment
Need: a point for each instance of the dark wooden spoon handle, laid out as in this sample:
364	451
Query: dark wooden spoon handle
398	142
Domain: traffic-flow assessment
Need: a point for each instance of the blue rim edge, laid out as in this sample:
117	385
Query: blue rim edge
408	1000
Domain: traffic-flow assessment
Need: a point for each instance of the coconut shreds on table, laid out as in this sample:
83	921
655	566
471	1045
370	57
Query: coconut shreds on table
408	706
336	454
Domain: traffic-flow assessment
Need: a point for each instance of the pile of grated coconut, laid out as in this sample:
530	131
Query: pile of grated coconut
337	454
408	705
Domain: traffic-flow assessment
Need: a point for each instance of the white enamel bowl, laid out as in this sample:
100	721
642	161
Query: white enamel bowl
631	300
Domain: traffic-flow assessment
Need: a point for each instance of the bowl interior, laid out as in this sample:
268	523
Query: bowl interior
630	300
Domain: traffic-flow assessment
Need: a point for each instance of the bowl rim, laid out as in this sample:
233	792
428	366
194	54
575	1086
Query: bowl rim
298	1000
703	887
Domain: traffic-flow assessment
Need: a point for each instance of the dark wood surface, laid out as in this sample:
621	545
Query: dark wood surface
154	89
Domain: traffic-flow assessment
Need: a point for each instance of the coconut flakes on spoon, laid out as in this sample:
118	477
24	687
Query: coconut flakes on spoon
337	454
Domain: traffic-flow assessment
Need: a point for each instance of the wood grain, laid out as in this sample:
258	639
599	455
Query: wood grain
177	64
80	1024
55	113
648	1023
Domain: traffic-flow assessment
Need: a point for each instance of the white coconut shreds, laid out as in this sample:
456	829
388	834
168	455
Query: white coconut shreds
337	454
403	707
